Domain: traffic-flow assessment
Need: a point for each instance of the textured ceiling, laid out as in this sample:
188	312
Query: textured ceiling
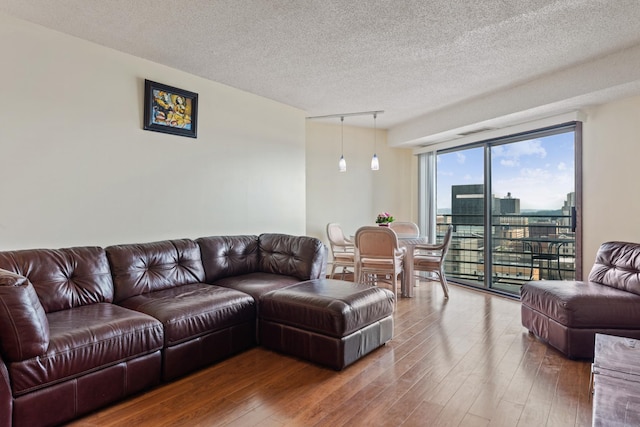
412	58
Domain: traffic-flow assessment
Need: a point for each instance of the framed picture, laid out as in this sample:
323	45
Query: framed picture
171	110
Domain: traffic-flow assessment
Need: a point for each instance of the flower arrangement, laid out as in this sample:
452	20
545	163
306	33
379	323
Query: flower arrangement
384	218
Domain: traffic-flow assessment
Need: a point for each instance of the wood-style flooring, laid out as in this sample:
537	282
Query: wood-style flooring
466	361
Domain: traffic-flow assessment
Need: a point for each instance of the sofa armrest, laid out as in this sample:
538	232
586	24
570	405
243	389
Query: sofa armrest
24	329
6	399
298	256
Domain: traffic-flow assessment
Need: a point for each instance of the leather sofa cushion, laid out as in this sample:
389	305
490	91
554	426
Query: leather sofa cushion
194	310
85	339
225	256
147	267
330	307
24	329
63	278
298	256
618	265
257	284
583	304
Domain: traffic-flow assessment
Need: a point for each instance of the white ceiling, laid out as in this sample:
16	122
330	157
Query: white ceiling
435	67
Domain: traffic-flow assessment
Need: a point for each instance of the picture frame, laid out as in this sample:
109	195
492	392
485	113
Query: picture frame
168	109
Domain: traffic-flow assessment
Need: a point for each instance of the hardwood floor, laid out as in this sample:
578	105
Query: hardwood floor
466	361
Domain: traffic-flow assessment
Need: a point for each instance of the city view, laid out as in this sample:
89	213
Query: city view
532	213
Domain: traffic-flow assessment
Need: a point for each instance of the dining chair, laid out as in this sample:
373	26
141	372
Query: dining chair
342	250
430	258
405	229
378	256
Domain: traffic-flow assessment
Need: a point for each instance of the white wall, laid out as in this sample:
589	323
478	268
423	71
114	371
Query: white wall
355	197
77	168
611	149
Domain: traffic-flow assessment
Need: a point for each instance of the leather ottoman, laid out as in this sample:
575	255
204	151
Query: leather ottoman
329	322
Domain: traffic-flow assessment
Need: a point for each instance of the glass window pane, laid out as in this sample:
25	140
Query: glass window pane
533	194
460	201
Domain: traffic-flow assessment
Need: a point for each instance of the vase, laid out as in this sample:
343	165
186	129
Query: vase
384	224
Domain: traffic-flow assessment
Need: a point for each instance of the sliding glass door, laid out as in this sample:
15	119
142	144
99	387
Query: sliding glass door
513	203
460	201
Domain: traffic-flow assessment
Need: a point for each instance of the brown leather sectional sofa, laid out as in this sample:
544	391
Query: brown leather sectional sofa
568	314
83	327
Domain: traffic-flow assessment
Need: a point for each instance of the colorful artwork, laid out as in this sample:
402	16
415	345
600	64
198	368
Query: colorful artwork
170	110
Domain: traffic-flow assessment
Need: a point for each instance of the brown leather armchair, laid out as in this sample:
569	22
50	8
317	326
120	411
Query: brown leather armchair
568	314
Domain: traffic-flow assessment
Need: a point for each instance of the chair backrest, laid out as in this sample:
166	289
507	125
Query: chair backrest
376	242
446	241
336	235
405	229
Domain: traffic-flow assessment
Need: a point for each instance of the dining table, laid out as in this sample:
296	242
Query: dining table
409	242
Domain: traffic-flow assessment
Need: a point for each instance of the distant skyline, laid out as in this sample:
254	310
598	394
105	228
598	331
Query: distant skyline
540	171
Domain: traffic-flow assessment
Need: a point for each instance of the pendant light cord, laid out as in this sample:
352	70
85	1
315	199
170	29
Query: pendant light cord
375	145
342	136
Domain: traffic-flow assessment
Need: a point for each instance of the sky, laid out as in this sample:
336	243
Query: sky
540	172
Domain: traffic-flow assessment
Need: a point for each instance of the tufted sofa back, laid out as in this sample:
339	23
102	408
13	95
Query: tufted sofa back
63	278
225	256
618	265
146	267
298	256
72	277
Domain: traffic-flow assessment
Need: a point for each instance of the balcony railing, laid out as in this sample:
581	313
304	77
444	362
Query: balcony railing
523	247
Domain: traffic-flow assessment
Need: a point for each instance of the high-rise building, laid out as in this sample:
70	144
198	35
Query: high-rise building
467	204
568	210
506	206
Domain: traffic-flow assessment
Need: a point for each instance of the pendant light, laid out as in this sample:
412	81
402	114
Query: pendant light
342	163
375	165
